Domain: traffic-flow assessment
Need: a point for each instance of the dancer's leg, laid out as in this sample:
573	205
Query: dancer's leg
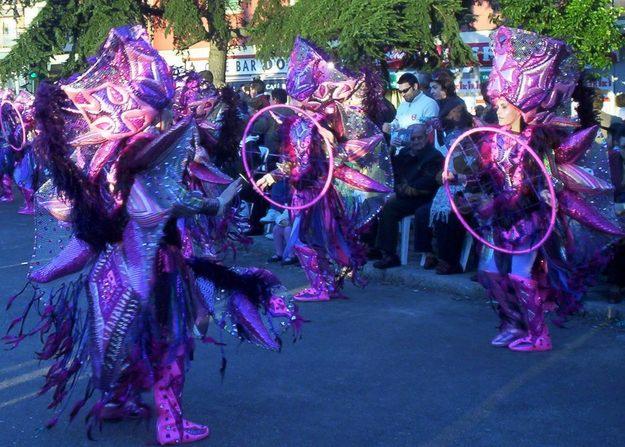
171	428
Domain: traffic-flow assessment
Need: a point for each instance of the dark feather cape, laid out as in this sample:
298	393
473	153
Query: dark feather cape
255	284
92	219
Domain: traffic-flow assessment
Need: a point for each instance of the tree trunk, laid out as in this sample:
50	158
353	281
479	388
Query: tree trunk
217	64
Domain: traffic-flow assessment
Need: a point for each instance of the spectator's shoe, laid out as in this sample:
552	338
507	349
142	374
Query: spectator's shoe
430	262
290	261
443	268
387	262
375	254
271	216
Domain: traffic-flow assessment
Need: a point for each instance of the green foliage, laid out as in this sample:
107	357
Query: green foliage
94	20
589	26
183	17
214	14
46	36
358	31
80	27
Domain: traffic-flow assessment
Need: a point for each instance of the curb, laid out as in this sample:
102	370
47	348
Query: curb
596	304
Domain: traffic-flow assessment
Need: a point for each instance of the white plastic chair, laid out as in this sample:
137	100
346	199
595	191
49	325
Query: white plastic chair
404	232
467	244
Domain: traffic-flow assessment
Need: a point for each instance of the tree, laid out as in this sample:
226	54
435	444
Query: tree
589	26
78	27
360	31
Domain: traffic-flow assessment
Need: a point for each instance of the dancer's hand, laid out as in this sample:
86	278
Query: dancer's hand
265	181
230	192
285	167
453	179
546	196
327	135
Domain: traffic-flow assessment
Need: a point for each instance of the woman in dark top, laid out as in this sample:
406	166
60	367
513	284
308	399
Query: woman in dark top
443	90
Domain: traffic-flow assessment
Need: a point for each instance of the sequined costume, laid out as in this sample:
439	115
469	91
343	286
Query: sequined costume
120	295
17	158
325	236
535	75
218	123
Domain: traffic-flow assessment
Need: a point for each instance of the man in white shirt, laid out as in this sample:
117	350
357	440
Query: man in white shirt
416	108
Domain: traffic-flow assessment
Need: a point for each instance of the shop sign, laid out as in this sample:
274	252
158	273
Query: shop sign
243	66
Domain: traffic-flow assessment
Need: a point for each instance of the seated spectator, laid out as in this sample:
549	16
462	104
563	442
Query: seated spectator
616	155
447	230
207	75
273	140
479	111
255	143
489	115
443	90
415	185
282	228
273	136
415	108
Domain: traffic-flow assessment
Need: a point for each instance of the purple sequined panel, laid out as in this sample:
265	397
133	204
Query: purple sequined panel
531	71
120	94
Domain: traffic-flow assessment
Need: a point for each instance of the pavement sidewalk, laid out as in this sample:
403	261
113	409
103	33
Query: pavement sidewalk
597	305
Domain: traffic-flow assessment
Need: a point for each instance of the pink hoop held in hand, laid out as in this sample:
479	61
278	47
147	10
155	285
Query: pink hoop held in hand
330	156
543	170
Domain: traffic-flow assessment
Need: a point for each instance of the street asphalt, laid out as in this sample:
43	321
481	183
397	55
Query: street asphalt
390	366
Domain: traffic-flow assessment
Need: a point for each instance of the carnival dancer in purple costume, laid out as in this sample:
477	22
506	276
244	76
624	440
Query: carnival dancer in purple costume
533	75
121	296
17	154
220	127
7	160
325	236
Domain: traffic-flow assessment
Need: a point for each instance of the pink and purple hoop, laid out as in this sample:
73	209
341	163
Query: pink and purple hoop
543	169
5	133
329	153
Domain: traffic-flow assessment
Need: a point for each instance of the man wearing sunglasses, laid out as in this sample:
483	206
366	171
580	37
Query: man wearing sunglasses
415	108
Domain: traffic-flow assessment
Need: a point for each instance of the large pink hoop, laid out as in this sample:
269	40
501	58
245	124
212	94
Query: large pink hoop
21	121
330	154
543	169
